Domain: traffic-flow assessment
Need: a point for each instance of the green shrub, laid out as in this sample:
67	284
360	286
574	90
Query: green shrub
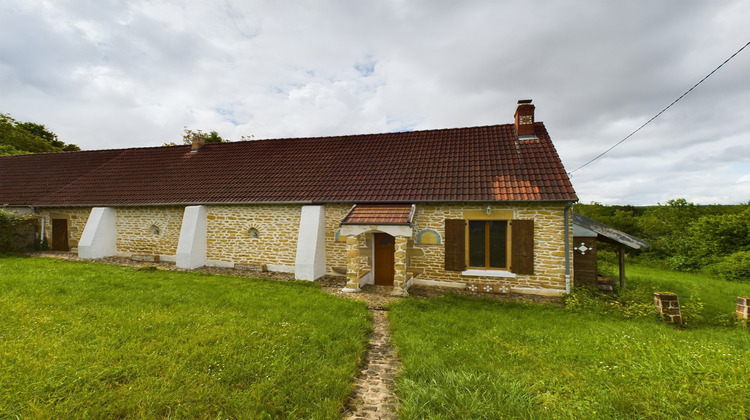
735	267
607	256
10	225
683	263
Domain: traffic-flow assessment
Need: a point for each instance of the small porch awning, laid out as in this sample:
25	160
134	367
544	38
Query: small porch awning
379	214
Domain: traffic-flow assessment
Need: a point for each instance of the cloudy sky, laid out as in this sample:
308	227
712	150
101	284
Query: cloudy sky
111	74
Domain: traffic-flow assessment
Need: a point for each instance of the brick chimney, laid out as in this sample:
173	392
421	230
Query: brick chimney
198	142
525	118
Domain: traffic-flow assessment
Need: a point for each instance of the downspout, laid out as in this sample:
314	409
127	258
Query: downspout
44	222
567	247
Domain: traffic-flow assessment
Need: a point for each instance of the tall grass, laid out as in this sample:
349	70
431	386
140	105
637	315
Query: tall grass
467	358
707	300
81	340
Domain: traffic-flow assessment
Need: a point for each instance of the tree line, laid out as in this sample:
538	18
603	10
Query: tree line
17	138
685	236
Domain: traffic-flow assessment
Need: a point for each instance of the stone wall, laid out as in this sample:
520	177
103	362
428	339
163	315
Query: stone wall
335	250
267	235
549	259
148	230
256	234
76	216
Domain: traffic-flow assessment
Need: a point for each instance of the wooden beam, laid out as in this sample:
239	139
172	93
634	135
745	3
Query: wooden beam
621	255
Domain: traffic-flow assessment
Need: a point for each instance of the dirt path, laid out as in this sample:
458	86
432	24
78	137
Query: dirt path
374	396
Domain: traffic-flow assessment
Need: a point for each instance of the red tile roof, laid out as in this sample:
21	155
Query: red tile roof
462	164
379	214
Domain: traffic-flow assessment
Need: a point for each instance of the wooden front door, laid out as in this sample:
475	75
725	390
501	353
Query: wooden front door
384	249
60	235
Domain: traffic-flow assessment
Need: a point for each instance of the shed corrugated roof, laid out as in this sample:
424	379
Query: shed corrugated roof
485	163
608	233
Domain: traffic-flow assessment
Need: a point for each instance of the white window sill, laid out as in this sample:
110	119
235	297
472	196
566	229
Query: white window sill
488	273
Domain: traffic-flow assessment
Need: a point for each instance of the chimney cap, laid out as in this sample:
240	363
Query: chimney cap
524	101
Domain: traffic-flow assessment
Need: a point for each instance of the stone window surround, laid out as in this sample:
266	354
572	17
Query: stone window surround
253	233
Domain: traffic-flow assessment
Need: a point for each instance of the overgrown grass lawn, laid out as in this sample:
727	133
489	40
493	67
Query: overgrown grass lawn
82	340
708	300
466	358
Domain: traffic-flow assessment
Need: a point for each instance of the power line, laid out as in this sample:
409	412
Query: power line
660	112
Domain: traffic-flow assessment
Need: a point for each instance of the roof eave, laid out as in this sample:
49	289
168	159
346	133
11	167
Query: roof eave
608	233
304	202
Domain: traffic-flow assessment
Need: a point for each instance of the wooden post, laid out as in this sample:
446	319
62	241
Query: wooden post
621	254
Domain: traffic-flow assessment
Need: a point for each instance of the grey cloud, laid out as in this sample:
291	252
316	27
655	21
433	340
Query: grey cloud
133	73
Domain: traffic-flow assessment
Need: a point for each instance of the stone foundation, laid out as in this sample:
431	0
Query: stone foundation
668	304
145	258
487	287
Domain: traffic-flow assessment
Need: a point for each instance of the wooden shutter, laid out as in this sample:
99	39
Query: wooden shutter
522	247
455	244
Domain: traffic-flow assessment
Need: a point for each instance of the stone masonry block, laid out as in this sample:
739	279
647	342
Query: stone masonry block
743	307
668	305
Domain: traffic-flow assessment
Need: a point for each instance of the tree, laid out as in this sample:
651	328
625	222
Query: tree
713	237
623	218
212	137
26	137
663	226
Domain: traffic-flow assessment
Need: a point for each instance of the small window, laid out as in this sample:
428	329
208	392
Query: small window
253	233
488	244
155	230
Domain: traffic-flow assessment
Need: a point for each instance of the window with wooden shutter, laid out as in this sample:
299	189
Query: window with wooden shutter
522	247
455	245
488	244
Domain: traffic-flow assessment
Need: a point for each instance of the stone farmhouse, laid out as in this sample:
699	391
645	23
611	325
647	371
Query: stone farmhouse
485	208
